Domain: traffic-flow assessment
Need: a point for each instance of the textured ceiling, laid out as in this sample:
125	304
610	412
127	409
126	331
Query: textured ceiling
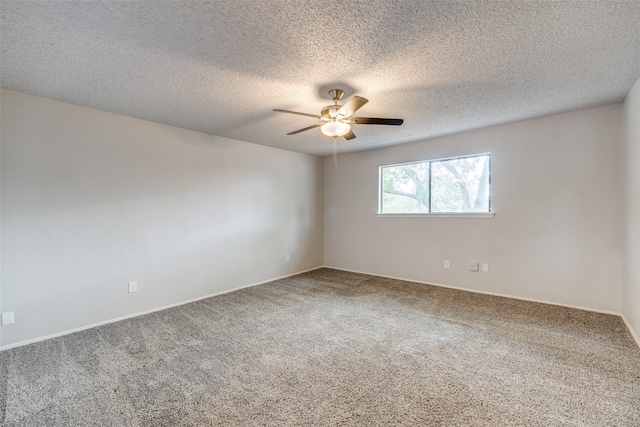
220	67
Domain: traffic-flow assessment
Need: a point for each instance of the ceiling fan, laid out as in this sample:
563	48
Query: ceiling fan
336	119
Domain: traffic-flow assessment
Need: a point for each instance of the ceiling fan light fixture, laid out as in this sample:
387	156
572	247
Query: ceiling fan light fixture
335	128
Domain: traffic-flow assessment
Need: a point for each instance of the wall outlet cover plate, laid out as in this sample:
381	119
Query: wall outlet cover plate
7	318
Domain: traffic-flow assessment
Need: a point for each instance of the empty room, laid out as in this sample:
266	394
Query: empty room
320	213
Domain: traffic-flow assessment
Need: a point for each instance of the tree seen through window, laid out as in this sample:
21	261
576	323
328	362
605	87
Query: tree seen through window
456	185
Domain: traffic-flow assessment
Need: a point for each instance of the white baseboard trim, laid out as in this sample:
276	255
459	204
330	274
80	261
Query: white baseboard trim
595	310
631	331
142	313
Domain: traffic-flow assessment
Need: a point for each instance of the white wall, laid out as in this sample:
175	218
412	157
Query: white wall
631	282
92	200
557	197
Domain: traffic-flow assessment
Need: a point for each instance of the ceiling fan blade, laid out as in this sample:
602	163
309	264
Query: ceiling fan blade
351	106
349	135
307	128
295	112
376	121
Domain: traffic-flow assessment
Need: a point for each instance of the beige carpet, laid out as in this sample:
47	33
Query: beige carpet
332	348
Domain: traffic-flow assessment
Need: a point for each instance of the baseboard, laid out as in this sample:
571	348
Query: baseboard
142	313
595	310
631	331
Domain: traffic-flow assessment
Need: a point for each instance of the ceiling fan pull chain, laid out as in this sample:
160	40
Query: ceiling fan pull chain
335	152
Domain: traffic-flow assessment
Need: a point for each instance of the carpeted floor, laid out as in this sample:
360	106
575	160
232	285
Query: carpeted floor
330	348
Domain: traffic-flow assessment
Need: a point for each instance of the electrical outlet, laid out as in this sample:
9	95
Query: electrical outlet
133	287
7	318
485	267
446	265
287	258
473	266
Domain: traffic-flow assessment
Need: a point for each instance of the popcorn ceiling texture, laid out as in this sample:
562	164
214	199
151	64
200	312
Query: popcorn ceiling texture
221	67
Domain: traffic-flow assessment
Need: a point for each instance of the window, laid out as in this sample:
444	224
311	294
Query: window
454	185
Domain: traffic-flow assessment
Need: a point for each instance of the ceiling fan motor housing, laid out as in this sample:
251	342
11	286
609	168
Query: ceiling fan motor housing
330	112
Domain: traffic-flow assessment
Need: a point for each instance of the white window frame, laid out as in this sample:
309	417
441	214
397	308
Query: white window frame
489	214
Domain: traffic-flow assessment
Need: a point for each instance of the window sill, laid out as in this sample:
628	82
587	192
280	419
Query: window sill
441	215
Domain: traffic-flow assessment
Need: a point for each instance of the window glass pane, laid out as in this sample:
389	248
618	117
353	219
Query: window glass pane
405	188
461	185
